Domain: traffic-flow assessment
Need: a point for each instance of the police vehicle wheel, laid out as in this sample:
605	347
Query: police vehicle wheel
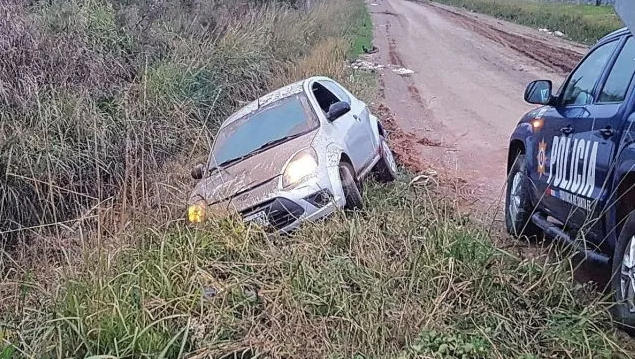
623	279
386	168
518	207
349	186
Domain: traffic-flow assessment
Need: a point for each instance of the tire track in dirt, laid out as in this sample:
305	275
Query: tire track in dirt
404	147
460	91
554	57
405	144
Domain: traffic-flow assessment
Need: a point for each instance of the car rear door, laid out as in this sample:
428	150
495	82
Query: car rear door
565	147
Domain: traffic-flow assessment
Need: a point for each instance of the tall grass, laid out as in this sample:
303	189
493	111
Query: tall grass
582	23
106	104
404	278
101	98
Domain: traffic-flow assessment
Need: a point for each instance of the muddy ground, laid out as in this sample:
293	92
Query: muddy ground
463	96
452	83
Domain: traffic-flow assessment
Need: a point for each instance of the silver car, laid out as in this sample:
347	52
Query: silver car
296	154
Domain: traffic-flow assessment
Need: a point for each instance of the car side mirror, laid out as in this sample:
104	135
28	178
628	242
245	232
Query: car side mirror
337	110
198	171
539	92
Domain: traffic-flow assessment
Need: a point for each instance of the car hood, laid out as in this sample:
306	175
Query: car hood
250	181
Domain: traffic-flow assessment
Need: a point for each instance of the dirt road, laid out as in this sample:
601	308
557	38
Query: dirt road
463	95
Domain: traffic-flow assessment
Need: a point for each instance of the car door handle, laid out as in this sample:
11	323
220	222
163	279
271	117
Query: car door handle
607	132
567	130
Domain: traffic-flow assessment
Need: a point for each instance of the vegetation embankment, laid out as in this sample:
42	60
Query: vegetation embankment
582	23
108	103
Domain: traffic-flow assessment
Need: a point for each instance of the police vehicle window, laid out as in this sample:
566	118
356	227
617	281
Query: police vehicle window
337	90
621	75
579	90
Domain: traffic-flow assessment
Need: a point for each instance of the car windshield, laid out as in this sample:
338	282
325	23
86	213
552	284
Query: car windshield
288	117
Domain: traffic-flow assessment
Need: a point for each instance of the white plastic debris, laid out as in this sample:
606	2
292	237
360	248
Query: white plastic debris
543	30
403	71
366	65
558	33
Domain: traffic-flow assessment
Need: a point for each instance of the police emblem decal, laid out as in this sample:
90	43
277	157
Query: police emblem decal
542	157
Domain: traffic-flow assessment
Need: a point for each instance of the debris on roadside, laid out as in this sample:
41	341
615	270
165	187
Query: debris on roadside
554	33
403	71
425	178
361	64
372	50
428	142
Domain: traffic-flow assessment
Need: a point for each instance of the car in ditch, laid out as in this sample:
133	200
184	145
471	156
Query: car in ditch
571	163
296	154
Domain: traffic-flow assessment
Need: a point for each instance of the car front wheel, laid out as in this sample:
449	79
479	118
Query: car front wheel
518	208
351	190
386	169
623	279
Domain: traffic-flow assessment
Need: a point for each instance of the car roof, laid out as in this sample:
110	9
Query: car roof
616	33
286	91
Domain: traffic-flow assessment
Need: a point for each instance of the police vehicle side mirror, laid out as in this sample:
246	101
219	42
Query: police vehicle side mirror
539	92
337	110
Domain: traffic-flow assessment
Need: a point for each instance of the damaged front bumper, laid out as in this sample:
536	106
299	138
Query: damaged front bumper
314	199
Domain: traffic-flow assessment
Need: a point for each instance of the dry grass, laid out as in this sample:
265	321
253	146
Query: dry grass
100	97
404	278
108	103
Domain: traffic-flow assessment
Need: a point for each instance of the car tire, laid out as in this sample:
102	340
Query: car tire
386	169
518	207
350	187
623	311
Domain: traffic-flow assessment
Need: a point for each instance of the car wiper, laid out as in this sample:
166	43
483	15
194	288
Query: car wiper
275	142
265	146
224	164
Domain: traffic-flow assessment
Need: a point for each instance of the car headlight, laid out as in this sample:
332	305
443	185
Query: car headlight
302	165
197	212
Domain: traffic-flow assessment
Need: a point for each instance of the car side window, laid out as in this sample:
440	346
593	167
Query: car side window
621	74
337	90
579	89
324	97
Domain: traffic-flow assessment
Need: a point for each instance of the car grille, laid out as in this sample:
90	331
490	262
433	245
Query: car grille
280	212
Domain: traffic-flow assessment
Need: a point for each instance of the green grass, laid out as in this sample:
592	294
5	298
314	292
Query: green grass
404	278
361	31
582	23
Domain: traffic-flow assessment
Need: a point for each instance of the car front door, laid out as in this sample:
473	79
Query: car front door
604	130
566	145
346	127
363	143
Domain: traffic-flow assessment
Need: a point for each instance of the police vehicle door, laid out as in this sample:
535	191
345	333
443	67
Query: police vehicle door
607	115
566	151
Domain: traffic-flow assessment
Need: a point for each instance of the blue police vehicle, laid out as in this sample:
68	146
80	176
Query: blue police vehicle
571	163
